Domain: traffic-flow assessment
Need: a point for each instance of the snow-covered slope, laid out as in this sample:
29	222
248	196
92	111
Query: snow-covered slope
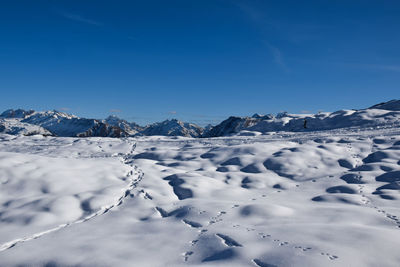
313	122
173	128
16	127
63	124
326	198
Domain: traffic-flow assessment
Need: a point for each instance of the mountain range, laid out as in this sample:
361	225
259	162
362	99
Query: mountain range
55	123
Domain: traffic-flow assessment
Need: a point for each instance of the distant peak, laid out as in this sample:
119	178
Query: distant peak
16	113
393	104
112	117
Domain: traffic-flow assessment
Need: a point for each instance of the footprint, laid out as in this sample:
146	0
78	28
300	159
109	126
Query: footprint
192	223
228	241
260	263
187	254
264	235
331	257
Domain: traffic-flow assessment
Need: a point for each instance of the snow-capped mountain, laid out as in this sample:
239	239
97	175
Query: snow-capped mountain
231	125
173	128
67	125
382	114
63	124
16	127
17	113
130	128
390	105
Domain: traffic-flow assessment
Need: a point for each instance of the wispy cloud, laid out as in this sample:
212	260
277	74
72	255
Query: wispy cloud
64	109
81	19
115	111
172	112
277	55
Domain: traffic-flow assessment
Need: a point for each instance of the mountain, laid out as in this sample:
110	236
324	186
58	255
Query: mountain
57	123
173	128
231	125
63	124
390	105
67	125
130	128
15	127
167	128
18	113
382	114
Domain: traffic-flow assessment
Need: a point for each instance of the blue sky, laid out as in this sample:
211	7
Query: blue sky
199	61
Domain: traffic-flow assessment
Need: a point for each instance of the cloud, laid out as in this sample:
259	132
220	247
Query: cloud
64	109
81	19
172	112
115	111
277	55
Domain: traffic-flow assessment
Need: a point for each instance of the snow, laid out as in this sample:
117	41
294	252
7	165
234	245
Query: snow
326	198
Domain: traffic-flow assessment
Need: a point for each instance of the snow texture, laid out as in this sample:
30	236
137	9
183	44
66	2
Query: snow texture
326	198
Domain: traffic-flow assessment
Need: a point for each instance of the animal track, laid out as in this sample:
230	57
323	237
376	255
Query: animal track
214	219
286	243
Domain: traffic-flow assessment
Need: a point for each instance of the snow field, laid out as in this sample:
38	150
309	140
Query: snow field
308	199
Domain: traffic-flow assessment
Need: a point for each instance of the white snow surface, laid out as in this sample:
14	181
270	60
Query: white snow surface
327	198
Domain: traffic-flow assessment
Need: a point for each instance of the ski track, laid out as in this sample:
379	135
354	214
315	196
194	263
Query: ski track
133	183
